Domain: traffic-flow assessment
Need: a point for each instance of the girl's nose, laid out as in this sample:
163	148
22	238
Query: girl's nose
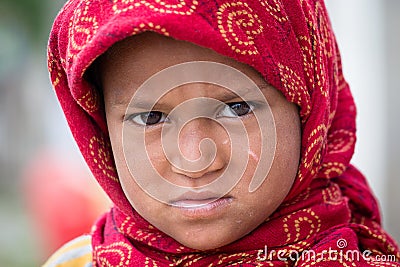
201	151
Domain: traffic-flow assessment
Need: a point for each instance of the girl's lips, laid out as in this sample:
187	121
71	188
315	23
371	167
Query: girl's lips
201	208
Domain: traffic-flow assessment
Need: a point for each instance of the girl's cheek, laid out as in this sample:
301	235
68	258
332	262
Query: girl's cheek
253	155
255	143
156	155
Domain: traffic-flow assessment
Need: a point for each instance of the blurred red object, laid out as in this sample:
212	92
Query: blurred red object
62	198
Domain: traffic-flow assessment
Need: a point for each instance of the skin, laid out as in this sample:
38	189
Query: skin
123	69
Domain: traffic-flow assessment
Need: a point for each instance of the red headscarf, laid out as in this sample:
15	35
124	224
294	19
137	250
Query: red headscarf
291	44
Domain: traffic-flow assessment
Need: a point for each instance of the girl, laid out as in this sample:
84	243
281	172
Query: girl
296	200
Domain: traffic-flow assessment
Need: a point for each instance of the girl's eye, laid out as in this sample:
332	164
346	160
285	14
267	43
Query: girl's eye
236	109
148	118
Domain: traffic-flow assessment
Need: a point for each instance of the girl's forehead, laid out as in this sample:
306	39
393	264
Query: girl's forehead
149	52
132	62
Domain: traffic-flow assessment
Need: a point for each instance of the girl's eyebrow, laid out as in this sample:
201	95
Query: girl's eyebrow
227	96
118	98
146	105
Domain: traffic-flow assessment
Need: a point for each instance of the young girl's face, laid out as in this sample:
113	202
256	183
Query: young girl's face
193	221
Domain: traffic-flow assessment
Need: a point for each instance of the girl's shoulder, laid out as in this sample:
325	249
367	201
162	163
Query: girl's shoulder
76	253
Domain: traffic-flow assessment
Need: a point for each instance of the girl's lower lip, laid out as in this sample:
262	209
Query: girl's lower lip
202	208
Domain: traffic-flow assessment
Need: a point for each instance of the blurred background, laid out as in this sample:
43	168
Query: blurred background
43	179
39	158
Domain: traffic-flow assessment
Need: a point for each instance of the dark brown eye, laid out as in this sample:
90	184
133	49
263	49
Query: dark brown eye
240	108
148	118
152	117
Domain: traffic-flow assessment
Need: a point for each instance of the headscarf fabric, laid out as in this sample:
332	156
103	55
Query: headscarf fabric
291	44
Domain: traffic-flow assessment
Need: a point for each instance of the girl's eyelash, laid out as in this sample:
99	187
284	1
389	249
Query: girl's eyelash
237	109
153	118
150	118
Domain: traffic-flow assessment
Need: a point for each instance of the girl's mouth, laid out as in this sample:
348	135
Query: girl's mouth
201	205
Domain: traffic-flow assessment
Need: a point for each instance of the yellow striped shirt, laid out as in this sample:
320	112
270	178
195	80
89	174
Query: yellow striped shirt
76	253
